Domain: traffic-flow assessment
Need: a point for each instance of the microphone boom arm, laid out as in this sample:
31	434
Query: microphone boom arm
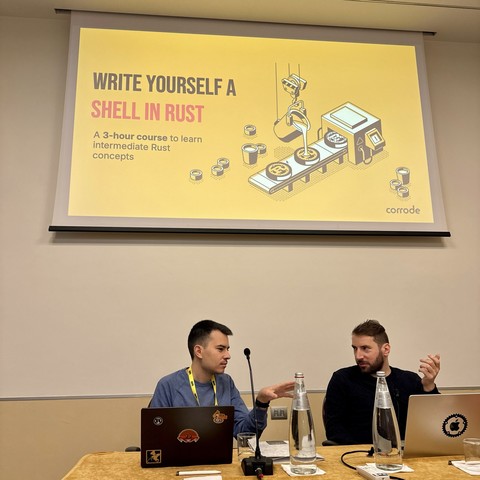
257	464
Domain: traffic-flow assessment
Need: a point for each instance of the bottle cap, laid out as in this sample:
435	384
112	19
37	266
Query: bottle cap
380	374
299	375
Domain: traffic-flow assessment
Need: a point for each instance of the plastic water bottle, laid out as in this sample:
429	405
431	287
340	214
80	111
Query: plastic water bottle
303	452
385	431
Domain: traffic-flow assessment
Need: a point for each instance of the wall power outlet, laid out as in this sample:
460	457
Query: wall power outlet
278	413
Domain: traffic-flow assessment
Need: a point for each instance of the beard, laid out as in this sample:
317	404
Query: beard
373	367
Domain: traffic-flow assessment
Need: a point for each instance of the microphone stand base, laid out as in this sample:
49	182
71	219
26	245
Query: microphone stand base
251	464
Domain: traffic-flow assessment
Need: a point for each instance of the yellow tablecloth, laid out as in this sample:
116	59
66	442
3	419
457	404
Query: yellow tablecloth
126	466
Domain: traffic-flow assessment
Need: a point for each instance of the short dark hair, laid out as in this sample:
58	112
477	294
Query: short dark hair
372	328
202	330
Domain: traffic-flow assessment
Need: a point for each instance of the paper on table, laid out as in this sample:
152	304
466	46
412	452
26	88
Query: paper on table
287	468
470	469
277	450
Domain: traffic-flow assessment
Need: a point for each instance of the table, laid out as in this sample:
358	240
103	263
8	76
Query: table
126	465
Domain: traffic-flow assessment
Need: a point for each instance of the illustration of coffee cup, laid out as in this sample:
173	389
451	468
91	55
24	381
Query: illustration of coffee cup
250	153
403	174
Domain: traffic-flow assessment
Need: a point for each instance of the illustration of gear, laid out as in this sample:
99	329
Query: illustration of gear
308	157
278	171
335	140
455	425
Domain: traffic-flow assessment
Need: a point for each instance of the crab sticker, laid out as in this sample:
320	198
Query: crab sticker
188	436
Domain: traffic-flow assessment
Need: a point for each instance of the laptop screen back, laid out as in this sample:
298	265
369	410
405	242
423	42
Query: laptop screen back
180	436
437	424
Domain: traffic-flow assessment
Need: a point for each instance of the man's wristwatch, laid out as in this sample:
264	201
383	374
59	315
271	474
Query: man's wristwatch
260	404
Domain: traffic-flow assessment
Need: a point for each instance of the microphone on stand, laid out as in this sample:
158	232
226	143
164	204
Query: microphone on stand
258	464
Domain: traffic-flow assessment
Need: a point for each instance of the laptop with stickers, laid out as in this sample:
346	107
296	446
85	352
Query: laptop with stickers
437	424
181	436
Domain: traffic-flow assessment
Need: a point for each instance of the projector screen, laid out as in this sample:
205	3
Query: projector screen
175	124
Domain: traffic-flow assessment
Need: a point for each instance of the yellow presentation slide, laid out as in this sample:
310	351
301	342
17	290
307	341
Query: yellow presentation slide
184	126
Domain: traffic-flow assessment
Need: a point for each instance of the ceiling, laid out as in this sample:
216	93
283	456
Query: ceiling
450	20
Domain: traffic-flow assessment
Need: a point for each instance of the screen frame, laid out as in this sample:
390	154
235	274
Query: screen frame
63	222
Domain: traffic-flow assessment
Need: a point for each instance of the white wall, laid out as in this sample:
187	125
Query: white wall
86	313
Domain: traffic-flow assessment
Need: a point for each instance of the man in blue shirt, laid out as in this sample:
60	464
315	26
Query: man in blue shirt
350	393
205	383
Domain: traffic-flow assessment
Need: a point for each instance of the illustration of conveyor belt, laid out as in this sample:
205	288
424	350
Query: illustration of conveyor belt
283	174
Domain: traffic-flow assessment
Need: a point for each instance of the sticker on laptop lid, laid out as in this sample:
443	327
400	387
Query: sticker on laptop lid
153	456
188	436
455	425
157	421
219	417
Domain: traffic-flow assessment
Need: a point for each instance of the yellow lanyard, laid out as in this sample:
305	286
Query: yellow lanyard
194	388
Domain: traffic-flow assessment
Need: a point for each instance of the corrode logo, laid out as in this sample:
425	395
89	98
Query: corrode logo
188	436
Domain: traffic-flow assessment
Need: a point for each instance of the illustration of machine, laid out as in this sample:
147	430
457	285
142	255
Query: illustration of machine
361	130
350	133
287	128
